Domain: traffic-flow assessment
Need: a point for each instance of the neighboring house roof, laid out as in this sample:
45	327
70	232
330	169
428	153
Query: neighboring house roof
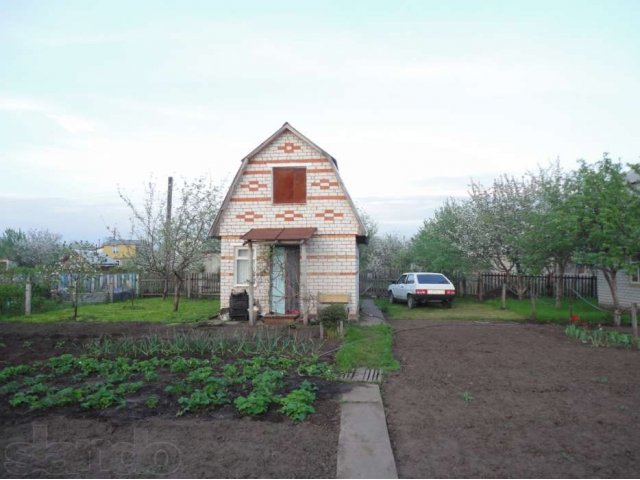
214	230
114	241
96	258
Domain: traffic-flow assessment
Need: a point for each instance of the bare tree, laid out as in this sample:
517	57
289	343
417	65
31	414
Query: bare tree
172	245
78	261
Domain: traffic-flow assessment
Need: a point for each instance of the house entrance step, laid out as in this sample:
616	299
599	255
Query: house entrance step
362	375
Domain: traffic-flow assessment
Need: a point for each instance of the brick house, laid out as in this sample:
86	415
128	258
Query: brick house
288	223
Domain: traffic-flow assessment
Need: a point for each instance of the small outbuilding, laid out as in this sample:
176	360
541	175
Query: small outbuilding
289	231
627	289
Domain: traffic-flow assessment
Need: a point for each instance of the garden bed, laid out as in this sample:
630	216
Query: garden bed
511	400
223	402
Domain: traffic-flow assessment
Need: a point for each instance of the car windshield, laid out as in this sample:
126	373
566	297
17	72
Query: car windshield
432	278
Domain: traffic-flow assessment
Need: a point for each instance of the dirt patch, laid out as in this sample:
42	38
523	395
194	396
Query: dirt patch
136	442
537	403
63	446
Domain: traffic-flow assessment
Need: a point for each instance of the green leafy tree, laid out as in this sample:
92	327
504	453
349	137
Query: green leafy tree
9	243
607	210
552	238
433	251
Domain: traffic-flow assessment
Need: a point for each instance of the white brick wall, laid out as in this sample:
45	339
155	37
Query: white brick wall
332	263
628	292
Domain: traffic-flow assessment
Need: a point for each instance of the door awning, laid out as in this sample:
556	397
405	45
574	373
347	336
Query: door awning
278	234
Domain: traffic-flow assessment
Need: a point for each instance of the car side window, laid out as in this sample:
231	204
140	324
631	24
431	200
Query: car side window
410	278
402	279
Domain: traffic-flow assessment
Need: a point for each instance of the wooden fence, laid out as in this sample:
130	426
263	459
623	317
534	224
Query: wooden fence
540	285
195	285
100	282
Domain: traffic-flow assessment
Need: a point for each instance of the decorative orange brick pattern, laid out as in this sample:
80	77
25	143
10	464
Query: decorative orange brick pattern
329	215
253	185
289	147
288	160
326	197
321	170
256	172
288	215
251	199
249	216
324	183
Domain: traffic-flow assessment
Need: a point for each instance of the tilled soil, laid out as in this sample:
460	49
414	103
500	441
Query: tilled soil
537	403
190	447
73	443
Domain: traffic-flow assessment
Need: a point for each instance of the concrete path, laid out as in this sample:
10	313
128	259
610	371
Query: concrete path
370	314
364	449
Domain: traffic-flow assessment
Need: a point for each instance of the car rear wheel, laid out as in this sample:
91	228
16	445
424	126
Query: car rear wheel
411	302
391	297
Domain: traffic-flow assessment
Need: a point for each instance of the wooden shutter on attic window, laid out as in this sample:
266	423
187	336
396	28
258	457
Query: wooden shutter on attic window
289	185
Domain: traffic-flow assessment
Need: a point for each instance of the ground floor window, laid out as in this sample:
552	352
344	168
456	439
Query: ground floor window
242	271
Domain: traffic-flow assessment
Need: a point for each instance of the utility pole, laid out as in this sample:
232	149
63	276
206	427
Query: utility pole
167	242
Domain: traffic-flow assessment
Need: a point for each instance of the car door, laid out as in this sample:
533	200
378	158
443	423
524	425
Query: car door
398	288
409	285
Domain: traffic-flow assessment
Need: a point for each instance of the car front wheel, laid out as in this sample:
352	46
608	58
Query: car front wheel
391	299
411	303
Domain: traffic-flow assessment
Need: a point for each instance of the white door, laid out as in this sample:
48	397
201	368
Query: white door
398	288
409	284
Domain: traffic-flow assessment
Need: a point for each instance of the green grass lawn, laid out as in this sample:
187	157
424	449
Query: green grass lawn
548	313
463	309
489	310
144	310
367	347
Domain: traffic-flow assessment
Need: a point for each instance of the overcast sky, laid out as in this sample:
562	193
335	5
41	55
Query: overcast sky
412	98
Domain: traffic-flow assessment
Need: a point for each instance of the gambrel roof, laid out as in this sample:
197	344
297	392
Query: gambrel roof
286	127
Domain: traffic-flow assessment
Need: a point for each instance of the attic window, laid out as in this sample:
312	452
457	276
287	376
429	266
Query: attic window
289	185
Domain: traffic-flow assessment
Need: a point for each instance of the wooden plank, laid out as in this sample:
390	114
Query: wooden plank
333	298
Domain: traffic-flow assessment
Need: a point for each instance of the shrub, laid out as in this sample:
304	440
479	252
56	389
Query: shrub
332	315
11	299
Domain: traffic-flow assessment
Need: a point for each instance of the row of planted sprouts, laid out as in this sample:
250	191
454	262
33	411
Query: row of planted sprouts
249	342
